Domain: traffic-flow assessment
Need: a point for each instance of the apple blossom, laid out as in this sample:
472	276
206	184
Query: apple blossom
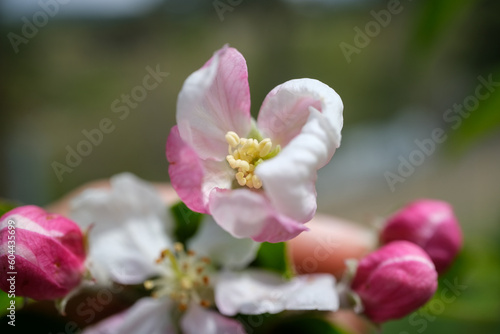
45	251
432	225
134	244
257	178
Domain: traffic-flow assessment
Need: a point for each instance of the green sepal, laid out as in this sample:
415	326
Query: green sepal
273	256
5	303
186	222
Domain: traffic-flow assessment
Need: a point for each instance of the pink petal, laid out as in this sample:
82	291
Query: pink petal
432	225
186	171
61	228
43	260
198	320
214	100
248	214
49	253
285	109
147	315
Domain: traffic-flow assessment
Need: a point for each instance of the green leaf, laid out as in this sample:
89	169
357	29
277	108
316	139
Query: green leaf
273	256
7	205
186	222
5	302
305	324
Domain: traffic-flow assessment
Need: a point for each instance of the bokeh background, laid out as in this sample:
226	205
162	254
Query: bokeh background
63	66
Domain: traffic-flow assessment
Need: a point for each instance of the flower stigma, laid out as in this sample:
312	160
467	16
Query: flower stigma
247	153
186	278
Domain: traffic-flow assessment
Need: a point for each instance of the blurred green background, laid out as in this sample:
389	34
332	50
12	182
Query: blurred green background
398	76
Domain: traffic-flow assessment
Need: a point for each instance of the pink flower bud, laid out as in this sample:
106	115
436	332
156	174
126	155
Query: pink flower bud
430	224
42	255
394	280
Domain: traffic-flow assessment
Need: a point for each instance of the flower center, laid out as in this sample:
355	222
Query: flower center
245	154
186	279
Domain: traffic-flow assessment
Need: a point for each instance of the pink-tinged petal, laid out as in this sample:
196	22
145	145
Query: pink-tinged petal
257	292
199	320
148	315
432	225
193	178
248	214
186	171
130	226
285	109
214	100
289	178
394	281
222	248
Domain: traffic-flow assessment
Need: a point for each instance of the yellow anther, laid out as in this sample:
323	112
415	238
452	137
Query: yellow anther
265	147
241	179
186	283
249	180
245	154
232	138
257	183
178	247
232	161
243	165
149	284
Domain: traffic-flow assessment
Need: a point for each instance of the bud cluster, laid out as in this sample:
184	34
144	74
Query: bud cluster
418	242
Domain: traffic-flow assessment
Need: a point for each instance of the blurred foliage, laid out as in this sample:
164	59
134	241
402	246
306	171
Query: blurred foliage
6	205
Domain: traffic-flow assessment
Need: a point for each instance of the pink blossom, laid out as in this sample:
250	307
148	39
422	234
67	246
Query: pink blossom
257	178
394	280
430	224
46	251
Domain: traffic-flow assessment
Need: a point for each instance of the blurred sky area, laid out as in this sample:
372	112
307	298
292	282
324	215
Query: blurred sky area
420	82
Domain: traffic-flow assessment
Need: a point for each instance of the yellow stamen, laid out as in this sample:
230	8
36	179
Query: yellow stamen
245	154
186	278
232	139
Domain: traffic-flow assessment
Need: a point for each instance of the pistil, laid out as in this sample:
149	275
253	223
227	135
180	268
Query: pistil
186	279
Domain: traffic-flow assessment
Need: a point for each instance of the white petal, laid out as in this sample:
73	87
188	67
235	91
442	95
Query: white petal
221	247
289	178
129	228
148	315
286	108
257	292
197	320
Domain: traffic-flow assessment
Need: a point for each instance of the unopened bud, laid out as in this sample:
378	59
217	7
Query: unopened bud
394	281
430	224
46	251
